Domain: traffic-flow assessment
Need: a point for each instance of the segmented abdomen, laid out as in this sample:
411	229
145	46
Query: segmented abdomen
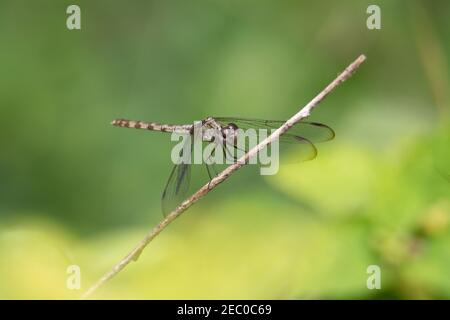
136	124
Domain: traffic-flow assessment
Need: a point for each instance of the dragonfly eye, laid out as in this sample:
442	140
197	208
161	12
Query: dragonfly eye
229	132
229	129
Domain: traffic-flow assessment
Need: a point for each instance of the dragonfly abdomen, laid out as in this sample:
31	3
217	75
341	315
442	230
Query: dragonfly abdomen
154	126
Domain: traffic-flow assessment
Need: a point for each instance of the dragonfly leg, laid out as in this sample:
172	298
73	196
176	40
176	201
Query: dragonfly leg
226	151
239	149
210	167
212	164
209	174
214	170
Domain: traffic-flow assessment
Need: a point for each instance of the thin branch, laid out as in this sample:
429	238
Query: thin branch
303	113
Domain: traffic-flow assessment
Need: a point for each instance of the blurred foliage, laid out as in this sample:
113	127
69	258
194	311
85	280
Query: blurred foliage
75	190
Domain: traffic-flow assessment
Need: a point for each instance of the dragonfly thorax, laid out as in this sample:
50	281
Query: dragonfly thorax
214	131
210	129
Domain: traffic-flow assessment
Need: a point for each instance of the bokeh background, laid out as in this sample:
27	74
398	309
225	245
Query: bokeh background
76	191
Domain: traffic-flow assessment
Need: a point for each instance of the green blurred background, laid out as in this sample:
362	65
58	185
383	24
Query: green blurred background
76	191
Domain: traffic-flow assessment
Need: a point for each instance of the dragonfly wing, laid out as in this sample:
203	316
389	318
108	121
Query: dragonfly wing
304	133
312	131
177	185
176	188
308	151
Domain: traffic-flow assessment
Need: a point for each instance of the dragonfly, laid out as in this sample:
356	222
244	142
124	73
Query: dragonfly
304	132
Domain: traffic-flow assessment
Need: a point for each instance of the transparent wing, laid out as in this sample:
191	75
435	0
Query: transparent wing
312	131
305	133
308	151
177	186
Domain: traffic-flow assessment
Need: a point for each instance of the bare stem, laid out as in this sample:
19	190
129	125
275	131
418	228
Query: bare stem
303	113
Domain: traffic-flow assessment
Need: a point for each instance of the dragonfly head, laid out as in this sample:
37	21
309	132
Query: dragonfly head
230	131
232	126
